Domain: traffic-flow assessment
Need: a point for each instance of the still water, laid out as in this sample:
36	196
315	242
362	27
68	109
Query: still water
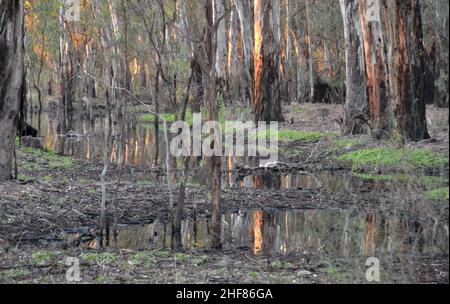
335	232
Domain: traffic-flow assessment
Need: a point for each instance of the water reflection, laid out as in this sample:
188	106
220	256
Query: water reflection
139	145
336	232
329	180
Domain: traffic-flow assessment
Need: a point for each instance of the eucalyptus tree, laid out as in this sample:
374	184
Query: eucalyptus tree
11	78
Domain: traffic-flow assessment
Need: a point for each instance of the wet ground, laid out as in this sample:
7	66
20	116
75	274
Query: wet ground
312	219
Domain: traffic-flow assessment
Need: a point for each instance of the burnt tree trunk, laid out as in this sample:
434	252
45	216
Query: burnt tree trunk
356	109
408	70
11	77
266	84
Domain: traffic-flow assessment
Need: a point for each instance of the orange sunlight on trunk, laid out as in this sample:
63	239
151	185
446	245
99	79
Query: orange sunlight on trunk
257	232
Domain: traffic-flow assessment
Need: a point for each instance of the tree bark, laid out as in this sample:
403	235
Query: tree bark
221	48
245	17
312	73
407	64
211	99
442	23
11	78
376	75
356	106
266	83
234	83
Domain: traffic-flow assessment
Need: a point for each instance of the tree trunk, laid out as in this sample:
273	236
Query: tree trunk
376	75
221	49
11	77
211	99
312	73
356	106
407	63
244	12
287	55
266	83
234	82
442	23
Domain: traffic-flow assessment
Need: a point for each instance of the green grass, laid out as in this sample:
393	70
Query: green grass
162	254
54	161
61	162
199	260
43	257
84	181
61	201
254	275
150	118
35	167
47	179
106	257
440	194
14	273
294	135
415	159
143	258
333	271
103	279
298	110
182	257
23	177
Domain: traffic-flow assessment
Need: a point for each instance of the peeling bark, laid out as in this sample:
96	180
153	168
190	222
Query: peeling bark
356	106
377	80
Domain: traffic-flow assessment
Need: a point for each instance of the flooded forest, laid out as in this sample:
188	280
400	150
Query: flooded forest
224	141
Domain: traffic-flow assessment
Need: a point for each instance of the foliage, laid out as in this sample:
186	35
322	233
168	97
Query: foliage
100	258
14	273
43	257
408	158
441	194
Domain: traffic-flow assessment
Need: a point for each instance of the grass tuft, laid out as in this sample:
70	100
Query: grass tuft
415	159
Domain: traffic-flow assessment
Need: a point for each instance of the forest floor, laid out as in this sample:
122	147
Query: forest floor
57	193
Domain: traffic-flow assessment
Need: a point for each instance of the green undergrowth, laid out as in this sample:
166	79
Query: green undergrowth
441	194
46	158
287	135
150	118
298	110
389	157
